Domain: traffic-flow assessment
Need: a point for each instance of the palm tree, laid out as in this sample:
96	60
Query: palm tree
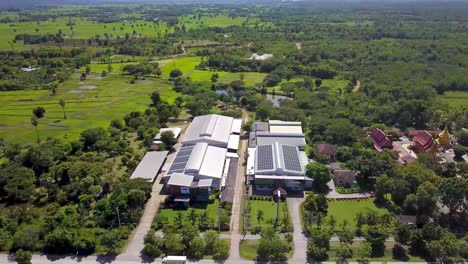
62	104
204	218
259	216
192	216
35	123
178	219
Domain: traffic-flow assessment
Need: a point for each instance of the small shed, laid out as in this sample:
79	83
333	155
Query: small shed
409	220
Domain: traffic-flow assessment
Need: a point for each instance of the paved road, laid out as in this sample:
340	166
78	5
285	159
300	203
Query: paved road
136	243
234	255
300	240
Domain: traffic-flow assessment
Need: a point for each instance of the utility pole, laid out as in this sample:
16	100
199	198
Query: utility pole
118	215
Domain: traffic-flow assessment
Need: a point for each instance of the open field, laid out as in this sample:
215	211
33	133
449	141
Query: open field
91	103
187	66
81	29
333	84
346	210
455	99
222	21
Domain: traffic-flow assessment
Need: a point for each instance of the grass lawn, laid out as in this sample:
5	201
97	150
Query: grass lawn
346	210
248	249
455	99
388	256
269	212
211	208
90	103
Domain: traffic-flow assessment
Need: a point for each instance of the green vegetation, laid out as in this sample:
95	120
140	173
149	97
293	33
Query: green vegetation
248	249
347	210
268	216
205	213
455	99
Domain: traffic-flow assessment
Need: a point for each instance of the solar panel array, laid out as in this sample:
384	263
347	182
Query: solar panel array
180	161
265	157
291	158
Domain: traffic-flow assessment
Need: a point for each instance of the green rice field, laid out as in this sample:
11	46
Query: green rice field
91	103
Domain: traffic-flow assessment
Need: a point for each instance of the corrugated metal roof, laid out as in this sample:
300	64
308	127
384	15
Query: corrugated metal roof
236	126
213	129
205	183
213	163
149	166
234	142
179	179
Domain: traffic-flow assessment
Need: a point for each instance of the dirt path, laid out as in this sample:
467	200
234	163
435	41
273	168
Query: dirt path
234	255
357	87
298	45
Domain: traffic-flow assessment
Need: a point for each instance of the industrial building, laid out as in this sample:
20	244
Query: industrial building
201	164
277	157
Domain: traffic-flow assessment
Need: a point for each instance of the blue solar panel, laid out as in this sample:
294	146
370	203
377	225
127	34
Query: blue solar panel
291	158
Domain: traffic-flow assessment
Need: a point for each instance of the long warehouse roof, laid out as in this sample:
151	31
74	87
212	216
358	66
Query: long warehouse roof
150	165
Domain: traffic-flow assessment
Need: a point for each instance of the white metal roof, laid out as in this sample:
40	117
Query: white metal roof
175	130
213	163
149	166
179	179
234	142
292	139
205	183
231	155
212	129
225	172
251	161
236	126
276	177
196	158
278	126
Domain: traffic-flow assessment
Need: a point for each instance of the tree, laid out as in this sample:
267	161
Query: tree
197	247
264	110
259	216
153	245
220	250
21	185
320	174
364	251
318	82
192	215
158	72
136	198
156	98
175	73
35	123
210	237
173	244
5	240
319	243
62	104
402	234
23	257
214	77
344	252
426	202
376	236
462	137
453	192
39	112
168	138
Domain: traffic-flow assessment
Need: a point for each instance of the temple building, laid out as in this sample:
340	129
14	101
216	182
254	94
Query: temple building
424	143
381	140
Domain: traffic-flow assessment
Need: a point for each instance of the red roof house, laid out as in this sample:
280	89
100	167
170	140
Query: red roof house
381	140
424	143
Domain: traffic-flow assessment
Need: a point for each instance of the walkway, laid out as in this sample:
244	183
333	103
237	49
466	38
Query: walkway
300	240
234	256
